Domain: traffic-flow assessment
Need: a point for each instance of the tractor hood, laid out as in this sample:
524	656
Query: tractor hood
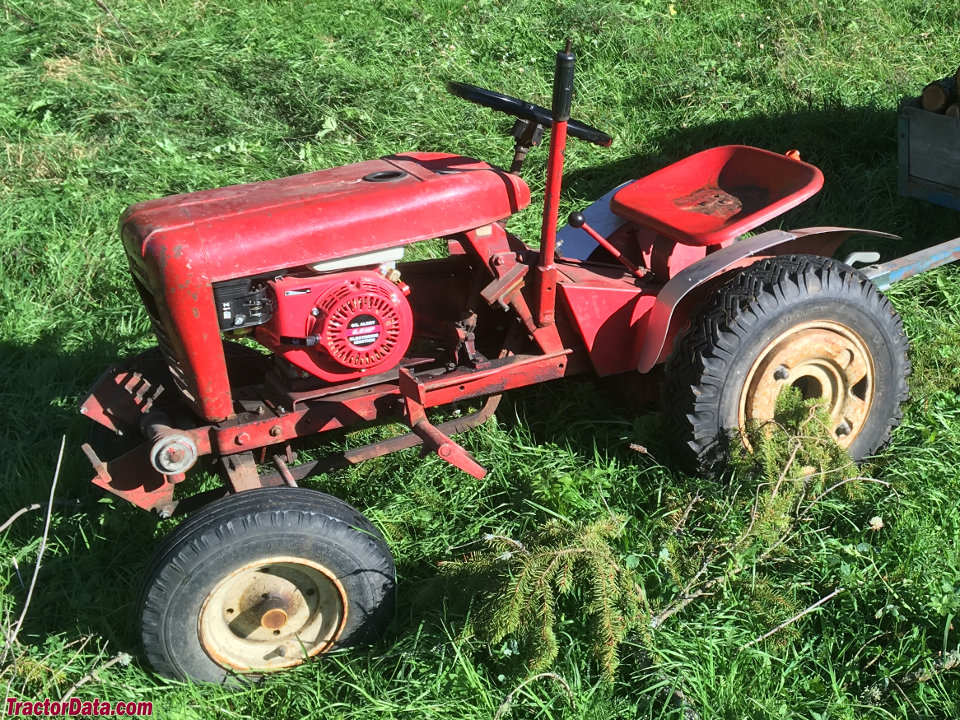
179	246
265	226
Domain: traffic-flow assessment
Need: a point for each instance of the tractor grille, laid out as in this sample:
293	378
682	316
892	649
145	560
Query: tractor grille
163	339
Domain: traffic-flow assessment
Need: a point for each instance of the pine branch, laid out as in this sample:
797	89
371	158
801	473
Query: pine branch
796	617
556	561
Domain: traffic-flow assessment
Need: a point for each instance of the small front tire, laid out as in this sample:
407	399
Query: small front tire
261	581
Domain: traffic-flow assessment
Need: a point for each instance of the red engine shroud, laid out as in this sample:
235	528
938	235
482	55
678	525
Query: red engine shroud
357	323
179	246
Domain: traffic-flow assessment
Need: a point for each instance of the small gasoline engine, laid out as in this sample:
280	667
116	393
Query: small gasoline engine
339	326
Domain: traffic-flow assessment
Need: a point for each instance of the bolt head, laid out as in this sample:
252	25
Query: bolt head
174	455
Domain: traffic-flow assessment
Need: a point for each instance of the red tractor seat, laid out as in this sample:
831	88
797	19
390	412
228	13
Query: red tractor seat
718	194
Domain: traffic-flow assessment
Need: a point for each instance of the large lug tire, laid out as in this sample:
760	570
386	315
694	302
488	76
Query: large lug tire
801	320
260	581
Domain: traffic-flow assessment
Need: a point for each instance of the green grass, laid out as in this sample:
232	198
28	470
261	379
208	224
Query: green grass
100	110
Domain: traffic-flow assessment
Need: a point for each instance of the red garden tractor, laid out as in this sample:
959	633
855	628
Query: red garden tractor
284	310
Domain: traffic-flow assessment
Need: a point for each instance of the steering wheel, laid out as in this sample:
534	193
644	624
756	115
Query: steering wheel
525	111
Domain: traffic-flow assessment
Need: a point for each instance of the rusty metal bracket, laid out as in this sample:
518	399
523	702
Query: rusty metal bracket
499	291
119	398
133	478
241	471
358	455
433	439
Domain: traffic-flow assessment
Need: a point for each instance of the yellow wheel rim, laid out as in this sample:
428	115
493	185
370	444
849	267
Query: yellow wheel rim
822	359
272	614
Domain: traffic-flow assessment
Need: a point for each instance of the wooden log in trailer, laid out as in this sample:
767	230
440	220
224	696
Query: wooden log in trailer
939	94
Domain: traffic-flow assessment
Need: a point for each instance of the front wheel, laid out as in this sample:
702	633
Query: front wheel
803	321
261	581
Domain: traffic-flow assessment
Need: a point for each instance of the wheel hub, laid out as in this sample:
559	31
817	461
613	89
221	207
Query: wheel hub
271	614
822	359
274	617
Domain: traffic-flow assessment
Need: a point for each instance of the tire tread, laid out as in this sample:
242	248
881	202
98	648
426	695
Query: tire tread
247	514
701	356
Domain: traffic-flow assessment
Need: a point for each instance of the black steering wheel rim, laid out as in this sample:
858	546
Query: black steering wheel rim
526	111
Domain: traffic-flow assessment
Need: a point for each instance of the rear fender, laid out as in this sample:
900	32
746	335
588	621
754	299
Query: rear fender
675	302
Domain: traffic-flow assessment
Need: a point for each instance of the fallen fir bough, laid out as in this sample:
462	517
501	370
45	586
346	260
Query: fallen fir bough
709	542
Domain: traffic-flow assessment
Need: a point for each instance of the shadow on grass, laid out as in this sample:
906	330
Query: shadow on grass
96	547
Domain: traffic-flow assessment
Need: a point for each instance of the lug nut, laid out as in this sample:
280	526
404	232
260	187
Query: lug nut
781	373
843	429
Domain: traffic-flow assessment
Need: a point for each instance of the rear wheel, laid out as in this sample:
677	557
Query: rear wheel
803	321
261	581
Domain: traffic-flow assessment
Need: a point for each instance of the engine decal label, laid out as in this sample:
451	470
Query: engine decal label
363	331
